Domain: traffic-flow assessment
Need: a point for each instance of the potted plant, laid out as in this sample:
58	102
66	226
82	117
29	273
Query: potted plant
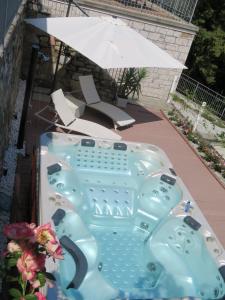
130	85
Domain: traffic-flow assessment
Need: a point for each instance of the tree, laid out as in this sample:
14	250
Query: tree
206	61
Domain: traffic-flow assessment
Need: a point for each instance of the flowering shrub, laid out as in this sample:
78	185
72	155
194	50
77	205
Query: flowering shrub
25	257
214	159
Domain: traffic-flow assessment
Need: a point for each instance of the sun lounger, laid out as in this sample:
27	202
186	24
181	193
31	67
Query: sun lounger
64	112
119	117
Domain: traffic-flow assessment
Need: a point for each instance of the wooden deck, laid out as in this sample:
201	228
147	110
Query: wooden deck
151	127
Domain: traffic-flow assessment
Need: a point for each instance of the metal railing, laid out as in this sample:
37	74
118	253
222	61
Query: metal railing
8	9
183	9
200	93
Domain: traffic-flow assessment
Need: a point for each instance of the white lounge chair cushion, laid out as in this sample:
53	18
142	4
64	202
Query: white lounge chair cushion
93	129
88	89
62	107
66	114
119	117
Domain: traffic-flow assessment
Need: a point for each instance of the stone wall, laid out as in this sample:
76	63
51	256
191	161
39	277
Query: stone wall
171	35
10	62
80	65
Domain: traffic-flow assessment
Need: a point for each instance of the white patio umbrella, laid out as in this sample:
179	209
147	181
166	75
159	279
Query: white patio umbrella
107	41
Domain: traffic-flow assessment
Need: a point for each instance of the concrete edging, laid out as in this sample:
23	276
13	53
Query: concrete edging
193	150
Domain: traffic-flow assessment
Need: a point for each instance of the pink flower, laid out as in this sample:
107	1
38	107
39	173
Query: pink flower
40	296
29	263
13	247
18	231
44	234
55	250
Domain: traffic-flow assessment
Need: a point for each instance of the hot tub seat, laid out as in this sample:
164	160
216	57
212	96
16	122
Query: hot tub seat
184	255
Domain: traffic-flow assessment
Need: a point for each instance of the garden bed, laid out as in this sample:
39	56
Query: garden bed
209	126
214	161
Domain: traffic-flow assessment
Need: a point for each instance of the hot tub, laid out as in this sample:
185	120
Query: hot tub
118	211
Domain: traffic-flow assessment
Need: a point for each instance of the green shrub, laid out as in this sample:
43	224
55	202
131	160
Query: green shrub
208	116
178	99
171	113
208	157
221	135
215	159
179	123
217	167
192	137
200	148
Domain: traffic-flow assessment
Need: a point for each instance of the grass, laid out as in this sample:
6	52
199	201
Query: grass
208	115
178	99
181	101
221	139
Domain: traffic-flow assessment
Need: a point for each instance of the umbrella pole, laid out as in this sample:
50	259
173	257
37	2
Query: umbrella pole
60	51
27	96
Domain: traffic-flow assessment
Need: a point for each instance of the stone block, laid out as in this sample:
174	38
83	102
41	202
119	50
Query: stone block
169	32
183	57
149	27
161	30
144	33
170	47
154	36
181	42
170	39
138	25
78	63
161	45
183	49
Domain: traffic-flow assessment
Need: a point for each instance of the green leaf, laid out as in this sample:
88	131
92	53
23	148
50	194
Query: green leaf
50	276
41	278
11	262
17	255
15	293
31	297
20	280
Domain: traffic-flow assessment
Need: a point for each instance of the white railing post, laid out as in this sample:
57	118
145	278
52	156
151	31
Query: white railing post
193	11
173	88
199	116
196	88
223	113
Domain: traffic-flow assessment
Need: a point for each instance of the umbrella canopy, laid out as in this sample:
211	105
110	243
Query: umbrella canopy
107	41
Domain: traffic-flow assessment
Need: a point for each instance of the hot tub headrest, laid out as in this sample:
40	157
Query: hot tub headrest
58	215
79	259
